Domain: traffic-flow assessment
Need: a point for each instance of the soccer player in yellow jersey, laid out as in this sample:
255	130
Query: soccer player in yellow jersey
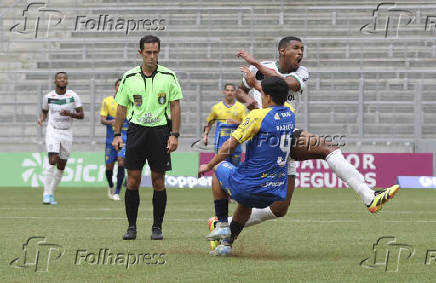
108	113
227	114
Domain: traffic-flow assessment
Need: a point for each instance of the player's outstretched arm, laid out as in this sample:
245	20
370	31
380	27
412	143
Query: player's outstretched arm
227	148
243	97
293	83
252	61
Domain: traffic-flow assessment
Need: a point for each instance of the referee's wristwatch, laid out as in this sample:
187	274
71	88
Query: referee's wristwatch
175	134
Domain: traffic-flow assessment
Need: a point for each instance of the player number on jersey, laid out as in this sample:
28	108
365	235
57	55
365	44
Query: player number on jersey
285	146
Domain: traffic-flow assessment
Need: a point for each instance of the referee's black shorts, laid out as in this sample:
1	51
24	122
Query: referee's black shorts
147	144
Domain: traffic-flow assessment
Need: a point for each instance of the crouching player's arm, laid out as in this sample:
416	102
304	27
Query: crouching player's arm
228	147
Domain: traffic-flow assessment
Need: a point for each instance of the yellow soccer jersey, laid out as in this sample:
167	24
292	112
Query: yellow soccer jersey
109	107
221	112
290	107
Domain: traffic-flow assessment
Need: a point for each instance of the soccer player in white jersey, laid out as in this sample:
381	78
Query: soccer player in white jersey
61	106
288	66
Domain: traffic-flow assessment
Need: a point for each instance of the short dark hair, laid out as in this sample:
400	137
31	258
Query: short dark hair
285	41
56	75
227	84
149	39
277	88
118	80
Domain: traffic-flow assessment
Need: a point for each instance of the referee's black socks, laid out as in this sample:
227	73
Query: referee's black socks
131	201
159	205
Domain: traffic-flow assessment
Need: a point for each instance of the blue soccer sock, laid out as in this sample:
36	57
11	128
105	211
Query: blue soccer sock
109	174
120	178
222	209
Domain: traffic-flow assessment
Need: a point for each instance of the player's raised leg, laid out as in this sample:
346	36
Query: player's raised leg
310	146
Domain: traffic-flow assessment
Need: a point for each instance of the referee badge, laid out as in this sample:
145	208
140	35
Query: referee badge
162	98
138	100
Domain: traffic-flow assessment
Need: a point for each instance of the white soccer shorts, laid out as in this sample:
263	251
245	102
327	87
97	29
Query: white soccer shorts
59	141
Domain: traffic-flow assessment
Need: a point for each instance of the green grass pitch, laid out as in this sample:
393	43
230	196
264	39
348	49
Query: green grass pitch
324	237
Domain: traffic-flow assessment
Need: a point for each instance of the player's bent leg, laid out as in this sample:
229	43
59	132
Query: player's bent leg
280	208
220	176
159	203
275	210
131	201
309	146
240	217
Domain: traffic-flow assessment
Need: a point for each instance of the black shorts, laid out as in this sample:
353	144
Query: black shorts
147	144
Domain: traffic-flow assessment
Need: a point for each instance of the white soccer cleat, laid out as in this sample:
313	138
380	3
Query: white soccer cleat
110	193
116	197
46	199
52	200
221	231
223	249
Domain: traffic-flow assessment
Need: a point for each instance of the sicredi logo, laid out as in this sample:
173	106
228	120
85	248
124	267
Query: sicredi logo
78	170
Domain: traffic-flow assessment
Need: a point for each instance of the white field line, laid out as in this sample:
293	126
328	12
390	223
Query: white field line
205	220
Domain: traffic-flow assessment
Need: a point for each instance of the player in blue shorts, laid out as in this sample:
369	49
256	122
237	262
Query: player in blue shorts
262	178
227	114
107	117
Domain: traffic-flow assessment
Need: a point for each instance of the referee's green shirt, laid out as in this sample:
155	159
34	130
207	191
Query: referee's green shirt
147	98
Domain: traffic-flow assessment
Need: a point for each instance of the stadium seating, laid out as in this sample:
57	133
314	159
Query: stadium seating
364	86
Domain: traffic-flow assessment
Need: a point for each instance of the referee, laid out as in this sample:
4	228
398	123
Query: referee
149	93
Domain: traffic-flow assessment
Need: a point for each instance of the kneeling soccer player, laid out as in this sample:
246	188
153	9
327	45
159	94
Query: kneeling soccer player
262	178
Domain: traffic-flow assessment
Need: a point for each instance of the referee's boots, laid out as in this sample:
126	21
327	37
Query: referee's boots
130	234
156	233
